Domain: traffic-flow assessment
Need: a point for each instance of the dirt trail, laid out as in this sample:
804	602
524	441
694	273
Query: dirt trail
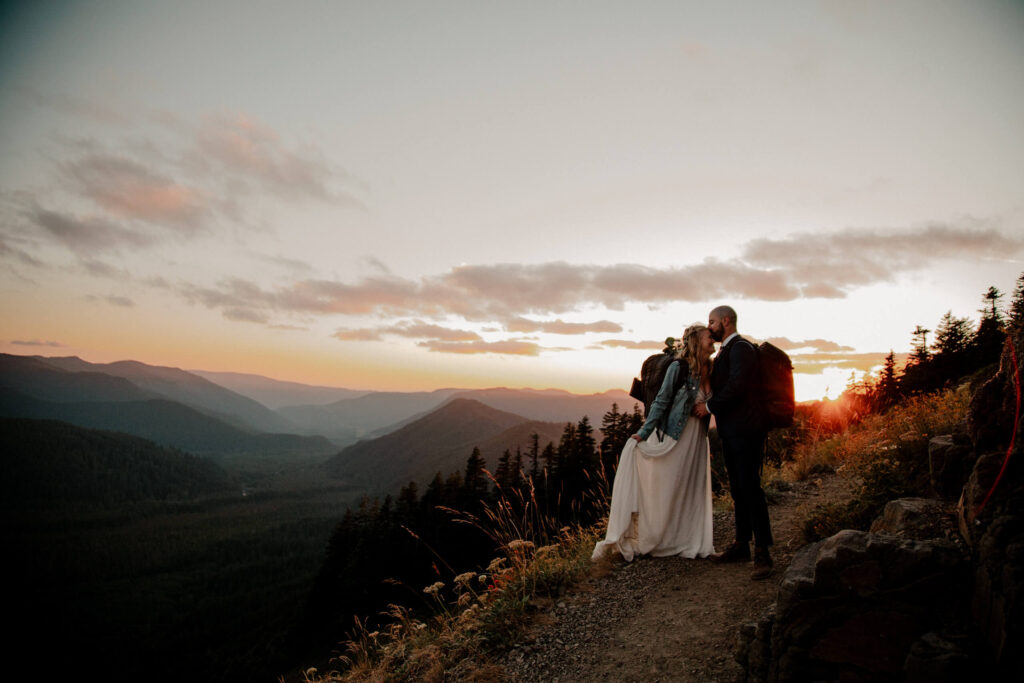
663	619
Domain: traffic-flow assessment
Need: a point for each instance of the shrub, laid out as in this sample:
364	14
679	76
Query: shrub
887	453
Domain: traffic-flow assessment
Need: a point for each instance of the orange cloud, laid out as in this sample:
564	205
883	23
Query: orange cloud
519	324
87	235
37	342
815	363
511	347
630	344
817	344
241	145
413	329
130	190
780	270
830	264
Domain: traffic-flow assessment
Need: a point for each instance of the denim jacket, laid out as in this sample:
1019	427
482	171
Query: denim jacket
682	404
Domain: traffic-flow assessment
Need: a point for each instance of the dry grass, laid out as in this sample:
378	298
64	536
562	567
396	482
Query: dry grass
481	613
886	454
907	427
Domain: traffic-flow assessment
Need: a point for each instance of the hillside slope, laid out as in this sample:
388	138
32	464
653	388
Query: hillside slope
438	442
60	464
167	423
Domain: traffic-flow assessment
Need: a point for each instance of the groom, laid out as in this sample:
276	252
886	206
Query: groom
734	403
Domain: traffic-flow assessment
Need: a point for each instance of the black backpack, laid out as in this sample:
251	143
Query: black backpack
777	398
652	373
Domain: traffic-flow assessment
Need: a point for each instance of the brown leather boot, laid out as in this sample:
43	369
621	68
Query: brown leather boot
763	565
736	552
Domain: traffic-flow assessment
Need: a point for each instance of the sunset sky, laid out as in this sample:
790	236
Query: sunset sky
415	195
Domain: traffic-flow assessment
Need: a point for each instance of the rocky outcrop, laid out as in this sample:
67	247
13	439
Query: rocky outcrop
950	460
851	606
998	599
940	658
926	595
975	491
917	518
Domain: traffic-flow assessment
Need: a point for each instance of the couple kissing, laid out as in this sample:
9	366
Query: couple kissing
661	495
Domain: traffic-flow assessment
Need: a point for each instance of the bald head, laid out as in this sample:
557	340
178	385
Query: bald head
721	322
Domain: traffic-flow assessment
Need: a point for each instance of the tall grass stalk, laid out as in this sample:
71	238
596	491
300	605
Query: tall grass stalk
484	611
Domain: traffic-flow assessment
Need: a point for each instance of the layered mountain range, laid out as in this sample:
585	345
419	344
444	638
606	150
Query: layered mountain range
406	436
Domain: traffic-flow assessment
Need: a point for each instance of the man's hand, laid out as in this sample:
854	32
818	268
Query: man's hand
700	409
637	437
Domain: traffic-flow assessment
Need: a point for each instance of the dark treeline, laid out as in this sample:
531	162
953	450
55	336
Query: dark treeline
958	350
58	463
387	551
128	560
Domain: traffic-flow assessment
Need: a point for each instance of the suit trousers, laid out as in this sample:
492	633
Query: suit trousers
744	459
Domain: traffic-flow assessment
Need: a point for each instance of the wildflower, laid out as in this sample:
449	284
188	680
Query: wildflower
463	579
495	564
482	579
519	544
464	599
433	588
547	550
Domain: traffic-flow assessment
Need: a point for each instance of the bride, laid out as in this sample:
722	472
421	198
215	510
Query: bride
661	497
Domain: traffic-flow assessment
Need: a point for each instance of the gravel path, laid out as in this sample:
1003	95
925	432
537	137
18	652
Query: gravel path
662	619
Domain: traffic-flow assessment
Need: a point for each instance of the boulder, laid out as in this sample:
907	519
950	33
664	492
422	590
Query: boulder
968	511
850	607
754	653
998	600
917	518
937	658
949	464
993	406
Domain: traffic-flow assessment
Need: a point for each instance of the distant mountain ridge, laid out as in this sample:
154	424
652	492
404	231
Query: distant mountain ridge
35	377
165	422
276	394
184	387
353	418
189	413
379	413
441	441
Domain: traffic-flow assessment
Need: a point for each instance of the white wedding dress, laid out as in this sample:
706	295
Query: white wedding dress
661	497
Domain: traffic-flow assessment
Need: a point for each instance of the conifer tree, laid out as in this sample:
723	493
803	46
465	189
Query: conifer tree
475	481
1016	322
517	467
988	340
887	390
534	456
920	354
434	495
503	475
992	297
408	499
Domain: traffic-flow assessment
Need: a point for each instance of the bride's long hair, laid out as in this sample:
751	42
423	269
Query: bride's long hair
698	364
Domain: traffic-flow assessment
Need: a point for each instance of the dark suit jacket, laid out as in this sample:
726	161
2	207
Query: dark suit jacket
735	380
